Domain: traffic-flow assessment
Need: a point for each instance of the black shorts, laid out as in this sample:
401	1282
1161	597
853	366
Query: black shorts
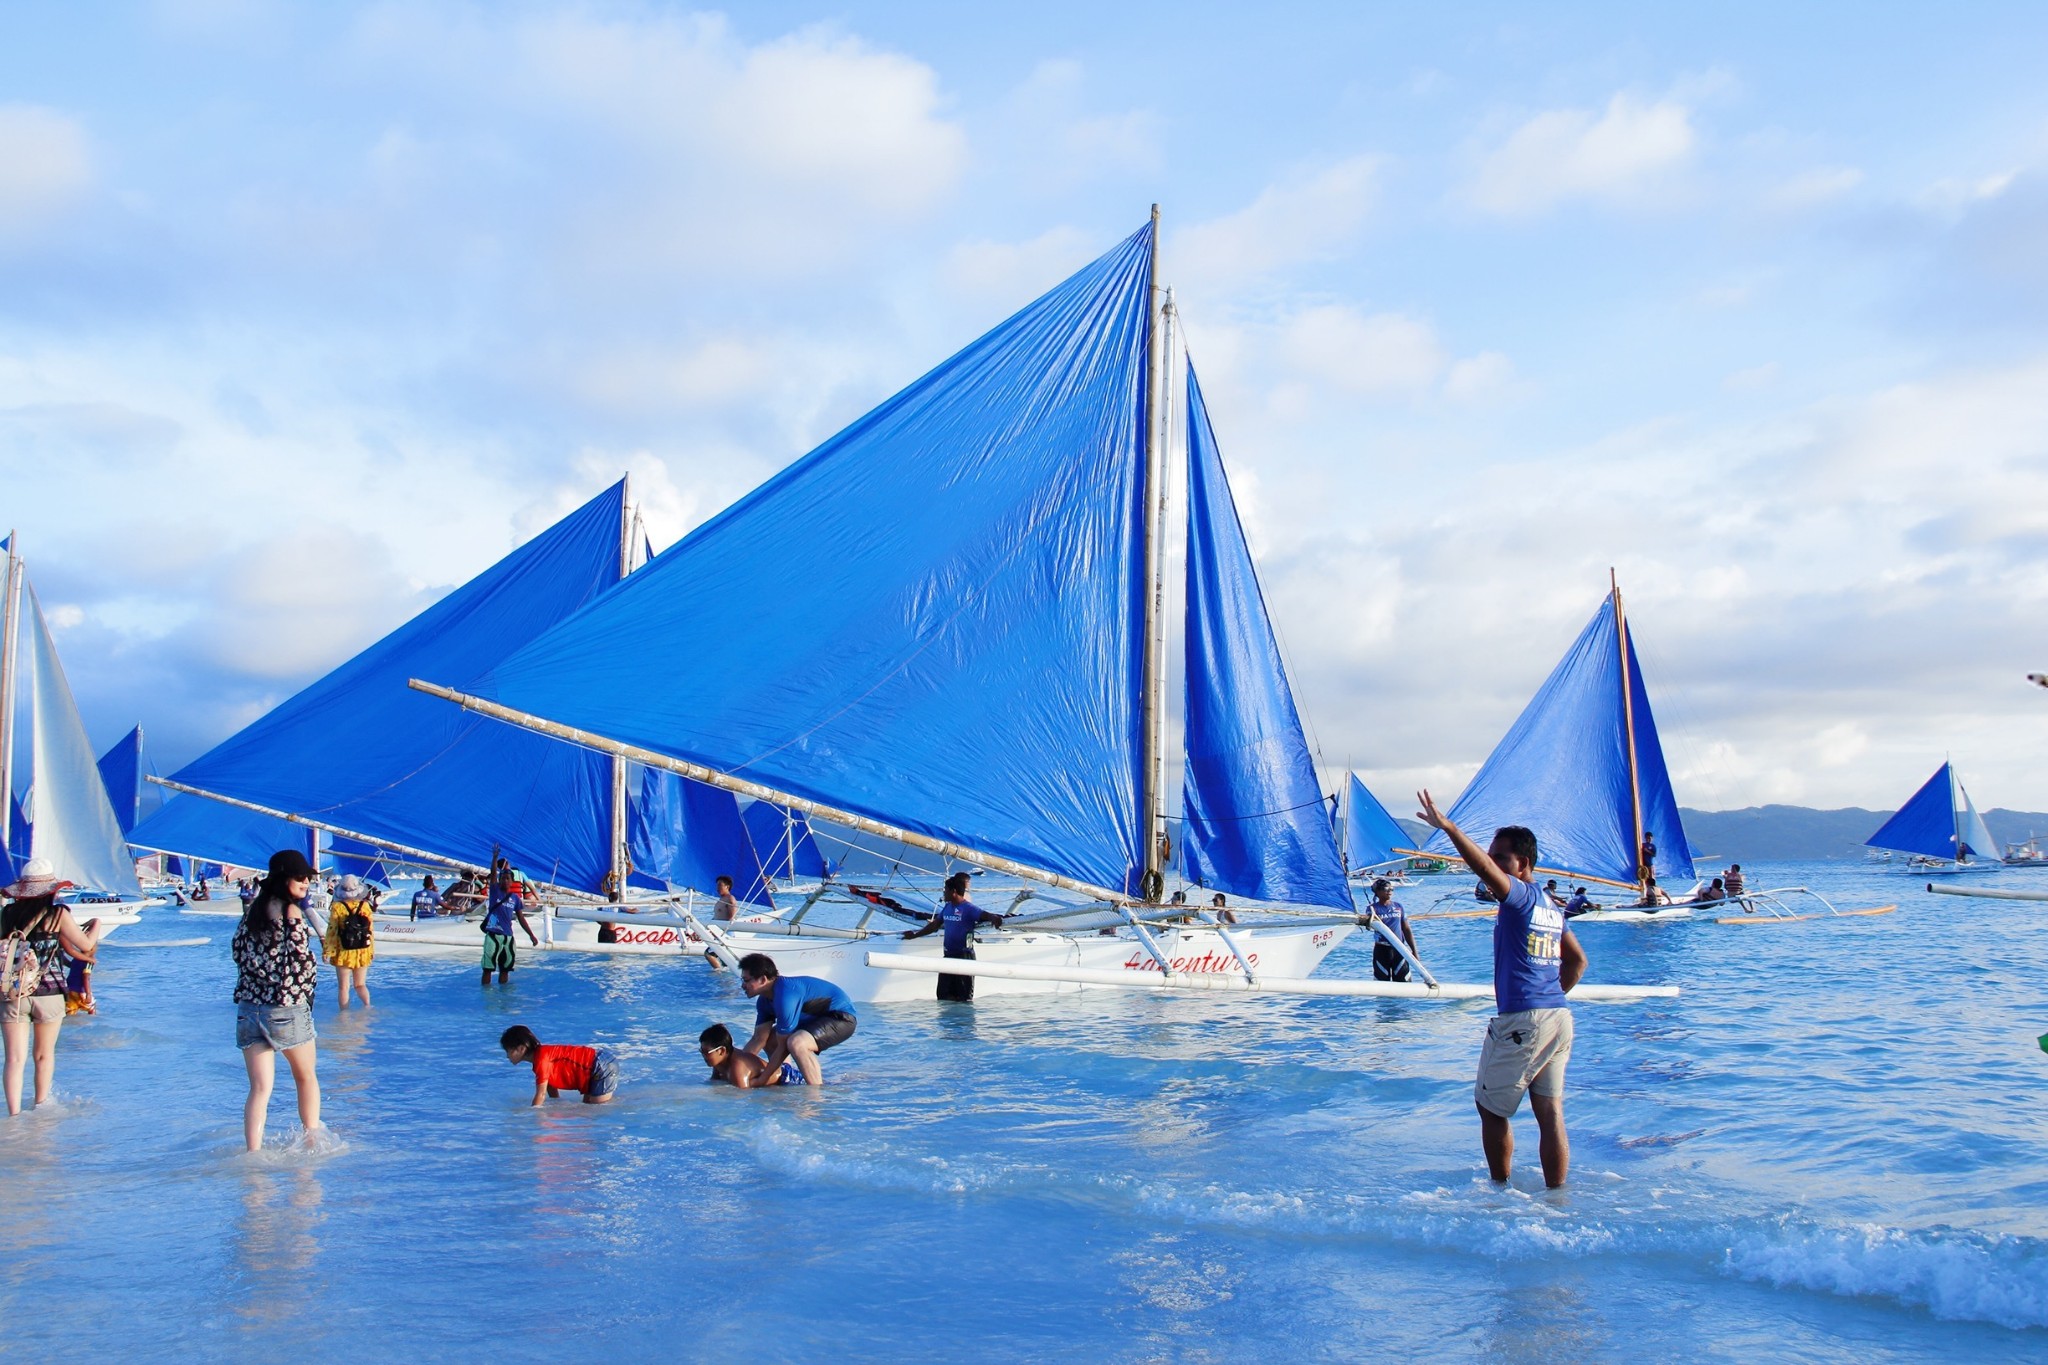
1387	963
829	1030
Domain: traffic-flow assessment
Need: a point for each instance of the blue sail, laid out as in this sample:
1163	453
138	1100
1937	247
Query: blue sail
931	619
215	832
685	835
1254	820
783	841
121	773
365	860
1926	824
1370	834
360	750
174	866
1562	770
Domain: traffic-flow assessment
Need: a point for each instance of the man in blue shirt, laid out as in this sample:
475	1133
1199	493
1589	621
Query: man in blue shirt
1387	962
1579	904
795	1017
1535	961
426	902
958	916
506	905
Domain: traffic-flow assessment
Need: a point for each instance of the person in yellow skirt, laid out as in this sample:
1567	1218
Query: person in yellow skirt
351	941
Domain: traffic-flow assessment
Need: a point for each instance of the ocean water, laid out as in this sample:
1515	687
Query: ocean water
1830	1147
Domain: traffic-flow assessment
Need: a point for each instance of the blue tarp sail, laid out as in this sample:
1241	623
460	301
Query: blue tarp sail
357	858
218	833
1938	821
939	606
1254	820
685	835
1563	770
121	773
783	841
174	866
1370	834
360	750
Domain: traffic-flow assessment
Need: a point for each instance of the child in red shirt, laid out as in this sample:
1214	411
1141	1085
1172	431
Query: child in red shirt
592	1070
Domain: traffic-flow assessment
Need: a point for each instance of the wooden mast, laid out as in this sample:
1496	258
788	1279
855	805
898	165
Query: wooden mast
620	862
1628	721
11	614
1152	709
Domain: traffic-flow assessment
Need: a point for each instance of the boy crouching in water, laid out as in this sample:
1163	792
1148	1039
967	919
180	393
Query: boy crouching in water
592	1070
741	1069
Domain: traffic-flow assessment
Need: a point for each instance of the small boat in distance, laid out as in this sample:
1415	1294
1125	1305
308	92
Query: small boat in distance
1940	830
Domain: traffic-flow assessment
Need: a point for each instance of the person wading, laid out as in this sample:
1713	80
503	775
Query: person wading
351	940
1535	961
35	934
276	975
959	917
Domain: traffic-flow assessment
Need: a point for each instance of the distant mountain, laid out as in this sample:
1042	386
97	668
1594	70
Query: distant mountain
1800	832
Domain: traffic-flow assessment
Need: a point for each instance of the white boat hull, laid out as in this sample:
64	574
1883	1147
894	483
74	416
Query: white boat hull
1667	913
441	936
1281	952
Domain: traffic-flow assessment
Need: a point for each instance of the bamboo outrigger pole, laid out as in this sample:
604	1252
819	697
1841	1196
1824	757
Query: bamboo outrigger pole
712	777
438	859
620	861
1628	720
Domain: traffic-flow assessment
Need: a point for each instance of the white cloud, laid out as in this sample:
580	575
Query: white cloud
1620	153
1013	273
64	616
1295	222
1364	353
1483	378
45	166
1956	195
1060	140
1816	187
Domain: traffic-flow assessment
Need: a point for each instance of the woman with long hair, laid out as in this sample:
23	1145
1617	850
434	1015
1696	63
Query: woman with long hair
34	1019
277	972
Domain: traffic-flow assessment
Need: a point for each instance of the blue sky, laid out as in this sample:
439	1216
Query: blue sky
307	314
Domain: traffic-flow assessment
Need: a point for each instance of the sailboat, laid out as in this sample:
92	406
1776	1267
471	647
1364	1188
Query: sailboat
1583	767
1372	837
359	761
70	821
964	651
1941	829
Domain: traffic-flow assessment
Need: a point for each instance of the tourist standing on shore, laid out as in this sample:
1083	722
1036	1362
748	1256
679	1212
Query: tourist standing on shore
276	975
1535	961
33	1018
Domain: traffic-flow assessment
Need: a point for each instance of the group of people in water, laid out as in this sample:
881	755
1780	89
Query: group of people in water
797	1019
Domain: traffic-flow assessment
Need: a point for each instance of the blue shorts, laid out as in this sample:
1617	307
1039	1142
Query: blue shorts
792	1074
276	1027
604	1075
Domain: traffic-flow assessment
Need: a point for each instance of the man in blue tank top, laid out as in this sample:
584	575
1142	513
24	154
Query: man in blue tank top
1535	961
959	917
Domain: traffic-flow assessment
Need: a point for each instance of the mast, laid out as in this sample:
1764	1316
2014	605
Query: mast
1152	707
620	860
1628	720
11	616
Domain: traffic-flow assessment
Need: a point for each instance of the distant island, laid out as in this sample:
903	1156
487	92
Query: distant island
1801	833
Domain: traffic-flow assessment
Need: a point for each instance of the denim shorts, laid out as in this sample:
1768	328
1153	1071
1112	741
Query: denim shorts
279	1027
604	1075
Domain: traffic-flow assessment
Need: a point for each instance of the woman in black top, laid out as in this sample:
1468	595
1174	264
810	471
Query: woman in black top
47	930
276	971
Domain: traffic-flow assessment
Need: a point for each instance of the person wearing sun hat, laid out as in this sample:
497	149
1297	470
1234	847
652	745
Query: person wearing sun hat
350	943
32	1018
276	975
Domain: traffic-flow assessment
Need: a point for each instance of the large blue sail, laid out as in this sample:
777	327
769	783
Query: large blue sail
685	835
1562	770
1370	834
1926	824
215	832
783	841
1254	820
121	774
931	619
361	751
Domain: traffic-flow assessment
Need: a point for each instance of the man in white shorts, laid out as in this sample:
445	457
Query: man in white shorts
1535	961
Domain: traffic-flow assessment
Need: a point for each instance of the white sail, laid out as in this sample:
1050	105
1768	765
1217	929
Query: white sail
75	827
1972	832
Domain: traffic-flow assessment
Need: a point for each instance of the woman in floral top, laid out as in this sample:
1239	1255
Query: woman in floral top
276	973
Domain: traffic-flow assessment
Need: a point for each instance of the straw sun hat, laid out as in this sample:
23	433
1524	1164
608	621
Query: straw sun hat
38	878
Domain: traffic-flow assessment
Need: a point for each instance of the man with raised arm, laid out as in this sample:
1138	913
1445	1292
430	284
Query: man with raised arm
1535	961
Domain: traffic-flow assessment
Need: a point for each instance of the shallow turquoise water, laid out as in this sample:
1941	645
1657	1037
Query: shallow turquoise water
1830	1147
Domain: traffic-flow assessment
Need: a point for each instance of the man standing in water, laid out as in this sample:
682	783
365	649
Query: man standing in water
506	906
1535	961
959	917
